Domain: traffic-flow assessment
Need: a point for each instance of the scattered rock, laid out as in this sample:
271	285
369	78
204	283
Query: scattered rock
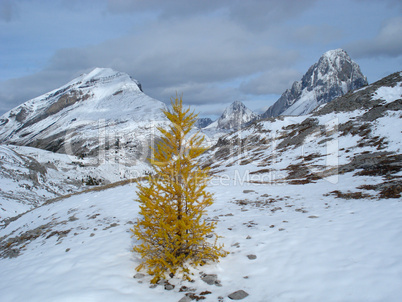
193	296
152	286
312	216
169	286
161	282
248	191
250	224
92	234
139	276
207	292
238	295
276	209
281	229
185	299
111	226
209	278
252	257
248	237
67	250
186	289
93	216
72	218
11	253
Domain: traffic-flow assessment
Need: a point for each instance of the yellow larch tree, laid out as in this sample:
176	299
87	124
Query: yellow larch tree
173	229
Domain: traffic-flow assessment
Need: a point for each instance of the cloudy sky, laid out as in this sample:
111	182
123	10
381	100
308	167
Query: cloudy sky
212	51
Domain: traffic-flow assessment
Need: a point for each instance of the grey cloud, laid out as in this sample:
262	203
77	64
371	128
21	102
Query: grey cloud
185	56
166	9
17	91
257	14
200	93
322	34
271	82
386	43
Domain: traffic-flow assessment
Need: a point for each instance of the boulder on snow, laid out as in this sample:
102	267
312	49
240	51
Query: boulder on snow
238	295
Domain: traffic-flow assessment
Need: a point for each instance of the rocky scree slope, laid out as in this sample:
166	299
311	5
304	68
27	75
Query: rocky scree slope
332	76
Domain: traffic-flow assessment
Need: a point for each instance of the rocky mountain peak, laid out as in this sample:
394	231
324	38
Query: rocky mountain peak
203	122
235	115
332	76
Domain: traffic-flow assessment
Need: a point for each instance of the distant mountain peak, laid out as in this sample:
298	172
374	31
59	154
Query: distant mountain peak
235	115
332	76
203	122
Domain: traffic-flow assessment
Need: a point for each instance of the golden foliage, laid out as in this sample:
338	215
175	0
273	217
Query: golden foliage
173	230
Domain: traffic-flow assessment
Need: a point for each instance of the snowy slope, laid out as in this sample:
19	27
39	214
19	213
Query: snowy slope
332	76
86	116
308	246
234	116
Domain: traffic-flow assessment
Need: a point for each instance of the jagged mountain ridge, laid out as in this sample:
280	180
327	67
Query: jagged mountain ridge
234	116
98	110
332	76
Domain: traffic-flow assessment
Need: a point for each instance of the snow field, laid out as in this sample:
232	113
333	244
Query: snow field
308	247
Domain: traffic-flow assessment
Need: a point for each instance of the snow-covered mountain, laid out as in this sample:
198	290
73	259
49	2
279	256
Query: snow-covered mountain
234	116
203	122
91	115
332	76
310	205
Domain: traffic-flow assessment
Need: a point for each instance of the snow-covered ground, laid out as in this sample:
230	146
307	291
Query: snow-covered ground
309	246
